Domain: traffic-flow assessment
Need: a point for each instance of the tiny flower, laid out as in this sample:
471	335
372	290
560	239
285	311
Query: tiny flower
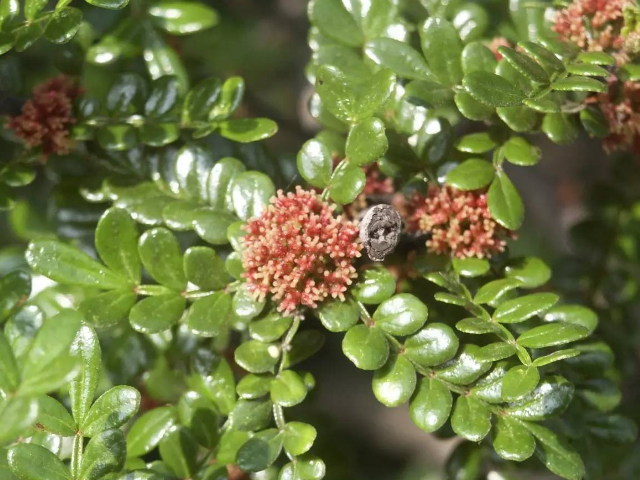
458	222
621	107
299	252
47	116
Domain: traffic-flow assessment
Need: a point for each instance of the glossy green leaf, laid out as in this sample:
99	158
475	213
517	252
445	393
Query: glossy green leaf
208	316
492	89
251	415
9	374
523	308
250	194
366	142
347	183
117	243
245	306
158	313
496	351
230	443
15	289
69	266
519	119
532	272
471	108
525	65
556	453
512	441
597	58
399	57
431	405
161	256
594	122
298	438
470	267
246	130
111	410
394	383
552	334
561	128
109	4
575	314
402	314
260	451
374	286
147	431
366	347
471	418
315	163
179	451
587	69
270	328
254	386
288	389
33	462
200	416
442	48
550	397
335	91
63	26
54	417
333	20
481	142
465	368
17	414
547	59
338	316
493	290
183	18
477	57
374	94
556	357
104	454
200	101
472	174
214	378
577	83
435	344
519	381
428	93
505	203
257	357
476	326
204	268
83	388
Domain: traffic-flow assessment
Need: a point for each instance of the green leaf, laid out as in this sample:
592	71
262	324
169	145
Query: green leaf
431	405
492	89
163	97
335	91
552	334
288	389
597	58
17	414
117	138
254	386
561	128
214	378
347	183
335	22
374	286
577	83
366	347
480	142
374	94
54	417
33	462
550	397
233	265
230	98
519	381
547	59
179	451
251	415
104	454
109	4
204	268
245	306
476	326
117	243
298	438
402	314
476	57
82	389
260	451
158	313
556	453
70	266
212	226
250	194
111	410
493	290
532	272
471	108
394	383
428	93
472	174
505	204
435	344
556	357
183	18
442	48
519	119
575	314
48	364
594	122
470	267
9	374
315	163
147	431
511	440
525	65
338	316
522	308
399	57
63	26
257	357
465	367
366	142
587	69
246	130
33	7
208	316
200	416
200	101
270	328
161	256
15	289
496	351
471	418
230	443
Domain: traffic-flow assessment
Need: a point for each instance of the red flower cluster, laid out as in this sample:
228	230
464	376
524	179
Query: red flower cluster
621	108
459	223
299	252
46	118
593	25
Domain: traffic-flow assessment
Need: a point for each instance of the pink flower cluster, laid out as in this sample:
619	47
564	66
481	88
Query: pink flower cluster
593	25
458	222
300	252
47	116
621	108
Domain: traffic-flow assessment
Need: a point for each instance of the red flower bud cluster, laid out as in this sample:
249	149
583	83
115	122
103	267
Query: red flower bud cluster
300	252
458	222
47	116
